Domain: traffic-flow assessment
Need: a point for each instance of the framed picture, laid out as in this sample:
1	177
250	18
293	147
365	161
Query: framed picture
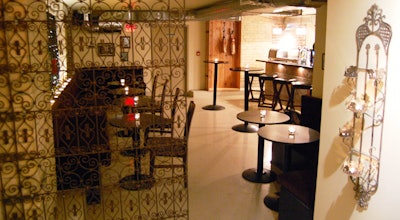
124	56
105	49
125	42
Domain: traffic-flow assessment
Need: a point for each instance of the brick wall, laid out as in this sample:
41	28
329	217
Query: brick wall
257	37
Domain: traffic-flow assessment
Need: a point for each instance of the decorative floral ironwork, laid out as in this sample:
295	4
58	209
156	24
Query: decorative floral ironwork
59	157
368	105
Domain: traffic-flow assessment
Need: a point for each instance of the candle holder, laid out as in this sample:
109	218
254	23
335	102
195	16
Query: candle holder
136	100
346	132
263	113
364	132
122	81
291	130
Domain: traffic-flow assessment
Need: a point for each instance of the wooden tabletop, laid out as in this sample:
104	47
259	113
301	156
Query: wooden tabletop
271	117
279	133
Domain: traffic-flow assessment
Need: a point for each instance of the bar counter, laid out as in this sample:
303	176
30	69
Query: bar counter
287	69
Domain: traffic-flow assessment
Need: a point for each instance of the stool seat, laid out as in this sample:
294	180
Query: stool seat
301	85
298	85
263	93
268	77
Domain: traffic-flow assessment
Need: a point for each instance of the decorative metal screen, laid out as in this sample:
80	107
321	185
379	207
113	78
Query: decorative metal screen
60	158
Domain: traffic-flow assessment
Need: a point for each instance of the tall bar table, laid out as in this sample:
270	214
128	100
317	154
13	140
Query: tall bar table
214	106
280	137
261	175
246	127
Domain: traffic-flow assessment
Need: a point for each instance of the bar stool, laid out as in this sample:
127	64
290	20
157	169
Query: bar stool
279	84
251	90
264	94
297	86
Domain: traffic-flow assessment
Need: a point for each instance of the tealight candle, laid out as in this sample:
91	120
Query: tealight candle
263	112
291	130
247	66
216	60
126	90
122	82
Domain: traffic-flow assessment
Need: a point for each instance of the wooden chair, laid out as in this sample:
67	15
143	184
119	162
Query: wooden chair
171	147
150	104
167	125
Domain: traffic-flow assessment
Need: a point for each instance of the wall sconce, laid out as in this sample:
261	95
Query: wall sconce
363	134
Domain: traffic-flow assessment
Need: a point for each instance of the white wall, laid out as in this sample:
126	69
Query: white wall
196	68
335	195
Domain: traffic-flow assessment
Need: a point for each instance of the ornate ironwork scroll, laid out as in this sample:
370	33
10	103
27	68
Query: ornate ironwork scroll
59	156
363	134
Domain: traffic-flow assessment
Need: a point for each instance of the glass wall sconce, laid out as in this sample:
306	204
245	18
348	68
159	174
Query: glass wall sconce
364	133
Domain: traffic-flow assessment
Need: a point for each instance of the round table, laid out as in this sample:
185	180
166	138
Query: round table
279	133
137	181
214	106
131	91
259	174
246	127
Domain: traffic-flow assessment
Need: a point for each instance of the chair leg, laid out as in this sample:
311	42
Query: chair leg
185	173
261	97
277	98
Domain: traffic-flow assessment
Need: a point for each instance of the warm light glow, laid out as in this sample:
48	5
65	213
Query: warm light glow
301	31
291	130
263	112
216	60
122	82
129	101
277	31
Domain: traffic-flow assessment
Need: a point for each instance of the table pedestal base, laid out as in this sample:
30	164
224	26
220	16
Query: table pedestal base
272	203
251	175
213	107
137	182
249	128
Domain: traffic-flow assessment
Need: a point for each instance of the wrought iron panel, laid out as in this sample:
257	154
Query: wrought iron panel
60	158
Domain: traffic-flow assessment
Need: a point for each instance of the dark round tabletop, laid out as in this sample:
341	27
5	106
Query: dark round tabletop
279	133
129	120
242	69
131	91
217	62
271	117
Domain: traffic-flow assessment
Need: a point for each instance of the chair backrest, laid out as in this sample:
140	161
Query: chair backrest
189	116
154	88
175	104
163	94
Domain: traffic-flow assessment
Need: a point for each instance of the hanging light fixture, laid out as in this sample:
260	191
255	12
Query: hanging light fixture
129	26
